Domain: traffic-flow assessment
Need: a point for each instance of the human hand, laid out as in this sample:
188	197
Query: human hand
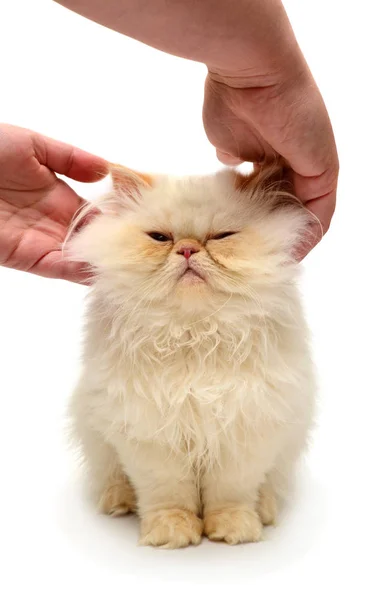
260	95
247	119
36	207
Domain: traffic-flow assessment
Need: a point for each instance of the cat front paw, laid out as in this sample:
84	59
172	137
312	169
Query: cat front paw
267	506
118	499
233	525
171	528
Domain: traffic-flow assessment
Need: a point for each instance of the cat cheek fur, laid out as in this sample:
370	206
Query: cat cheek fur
246	257
113	244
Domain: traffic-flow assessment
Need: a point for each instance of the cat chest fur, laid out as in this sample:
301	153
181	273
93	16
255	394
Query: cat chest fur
194	388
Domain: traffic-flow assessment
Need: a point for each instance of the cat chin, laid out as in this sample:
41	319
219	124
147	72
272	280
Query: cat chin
193	295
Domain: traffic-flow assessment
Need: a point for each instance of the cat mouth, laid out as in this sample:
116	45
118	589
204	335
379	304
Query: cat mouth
192	274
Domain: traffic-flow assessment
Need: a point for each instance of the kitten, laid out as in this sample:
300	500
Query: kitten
197	390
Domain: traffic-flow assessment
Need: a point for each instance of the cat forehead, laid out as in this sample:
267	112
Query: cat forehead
205	202
192	191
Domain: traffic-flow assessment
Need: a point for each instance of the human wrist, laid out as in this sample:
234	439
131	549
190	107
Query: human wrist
261	51
286	68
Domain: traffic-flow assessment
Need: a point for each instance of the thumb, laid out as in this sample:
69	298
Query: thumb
228	159
68	160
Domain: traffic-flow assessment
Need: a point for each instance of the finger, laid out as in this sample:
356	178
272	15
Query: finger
228	159
55	266
322	210
313	237
75	272
68	160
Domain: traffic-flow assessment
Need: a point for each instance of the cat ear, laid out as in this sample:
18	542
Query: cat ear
270	186
271	178
126	181
127	189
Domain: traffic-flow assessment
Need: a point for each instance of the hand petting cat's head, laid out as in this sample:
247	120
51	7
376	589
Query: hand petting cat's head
193	244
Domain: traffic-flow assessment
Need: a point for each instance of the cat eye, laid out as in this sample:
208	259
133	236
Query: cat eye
221	236
159	237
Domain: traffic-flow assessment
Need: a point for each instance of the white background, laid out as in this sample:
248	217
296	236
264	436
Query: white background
78	82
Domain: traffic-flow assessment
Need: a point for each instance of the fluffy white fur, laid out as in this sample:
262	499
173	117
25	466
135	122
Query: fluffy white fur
197	390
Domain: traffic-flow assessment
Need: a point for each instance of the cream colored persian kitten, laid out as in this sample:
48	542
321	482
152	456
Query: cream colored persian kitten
197	390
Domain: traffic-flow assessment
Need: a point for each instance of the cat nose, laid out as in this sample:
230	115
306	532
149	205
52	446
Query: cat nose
187	248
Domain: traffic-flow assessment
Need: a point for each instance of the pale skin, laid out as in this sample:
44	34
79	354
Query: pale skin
260	98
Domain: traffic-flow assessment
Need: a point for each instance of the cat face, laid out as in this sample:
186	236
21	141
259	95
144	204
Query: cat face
192	243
